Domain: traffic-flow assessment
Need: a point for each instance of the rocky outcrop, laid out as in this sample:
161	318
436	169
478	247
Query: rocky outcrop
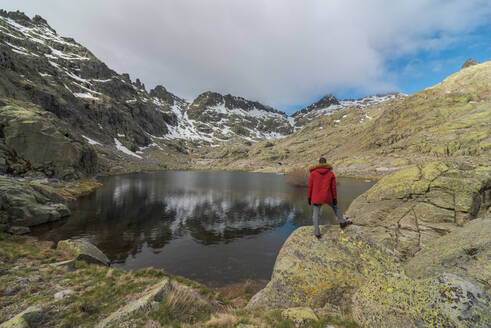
469	62
83	251
465	252
31	141
353	273
433	217
29	204
414	206
311	272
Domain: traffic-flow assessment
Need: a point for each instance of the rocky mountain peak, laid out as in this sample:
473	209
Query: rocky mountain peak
324	102
139	84
469	62
18	16
208	98
161	93
39	20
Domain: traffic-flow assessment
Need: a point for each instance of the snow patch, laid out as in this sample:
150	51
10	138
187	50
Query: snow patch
125	150
92	141
84	95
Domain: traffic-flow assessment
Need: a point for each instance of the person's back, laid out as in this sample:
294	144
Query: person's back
322	184
322	190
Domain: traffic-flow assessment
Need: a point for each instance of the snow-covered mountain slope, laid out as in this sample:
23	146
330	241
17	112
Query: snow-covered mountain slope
330	104
63	77
107	110
225	117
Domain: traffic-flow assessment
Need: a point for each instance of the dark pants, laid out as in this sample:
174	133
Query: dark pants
315	216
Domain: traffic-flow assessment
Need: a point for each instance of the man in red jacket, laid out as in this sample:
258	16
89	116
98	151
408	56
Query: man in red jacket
322	190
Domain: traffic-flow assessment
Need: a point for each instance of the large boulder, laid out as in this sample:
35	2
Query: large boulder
32	140
350	271
29	204
312	272
412	207
83	251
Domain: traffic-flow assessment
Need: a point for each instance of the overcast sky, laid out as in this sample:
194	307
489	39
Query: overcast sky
280	52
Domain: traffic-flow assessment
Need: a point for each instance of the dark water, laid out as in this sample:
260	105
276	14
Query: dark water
213	227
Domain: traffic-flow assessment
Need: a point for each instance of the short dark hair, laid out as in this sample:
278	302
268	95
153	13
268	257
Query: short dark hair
322	160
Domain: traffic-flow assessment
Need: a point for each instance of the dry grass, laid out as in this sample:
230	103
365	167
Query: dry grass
298	177
222	320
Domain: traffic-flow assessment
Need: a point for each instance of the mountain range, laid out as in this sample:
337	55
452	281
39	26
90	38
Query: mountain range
45	73
66	114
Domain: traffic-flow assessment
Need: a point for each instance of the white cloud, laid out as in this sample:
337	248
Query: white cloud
277	51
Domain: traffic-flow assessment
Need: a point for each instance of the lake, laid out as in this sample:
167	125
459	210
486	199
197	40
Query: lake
213	227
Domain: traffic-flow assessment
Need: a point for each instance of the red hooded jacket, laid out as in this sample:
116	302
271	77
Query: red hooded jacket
322	184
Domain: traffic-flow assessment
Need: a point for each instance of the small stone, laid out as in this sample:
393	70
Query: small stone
35	278
62	294
300	315
19	230
69	264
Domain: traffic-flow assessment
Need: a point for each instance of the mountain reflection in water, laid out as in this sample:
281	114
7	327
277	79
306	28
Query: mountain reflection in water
215	227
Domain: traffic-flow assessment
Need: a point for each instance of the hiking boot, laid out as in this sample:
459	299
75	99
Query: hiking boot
345	224
318	236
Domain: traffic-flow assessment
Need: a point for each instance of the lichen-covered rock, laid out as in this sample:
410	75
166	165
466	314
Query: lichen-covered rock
465	252
412	207
299	315
312	272
144	303
83	251
29	204
31	317
400	301
465	304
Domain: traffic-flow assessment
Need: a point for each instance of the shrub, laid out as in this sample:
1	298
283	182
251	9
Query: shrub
298	177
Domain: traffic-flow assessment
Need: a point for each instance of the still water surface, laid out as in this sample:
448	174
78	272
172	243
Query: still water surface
212	227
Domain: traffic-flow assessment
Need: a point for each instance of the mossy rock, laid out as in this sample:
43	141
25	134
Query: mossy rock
31	317
30	204
83	251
